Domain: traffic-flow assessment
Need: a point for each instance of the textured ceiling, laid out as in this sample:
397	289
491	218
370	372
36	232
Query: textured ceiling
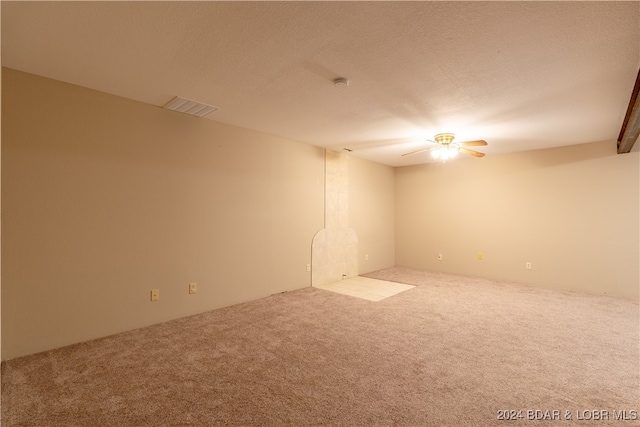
521	75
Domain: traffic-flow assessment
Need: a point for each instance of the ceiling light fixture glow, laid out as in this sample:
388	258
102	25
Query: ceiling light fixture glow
444	153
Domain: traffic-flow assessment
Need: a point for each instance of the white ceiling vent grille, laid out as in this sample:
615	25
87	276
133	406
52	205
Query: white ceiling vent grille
187	106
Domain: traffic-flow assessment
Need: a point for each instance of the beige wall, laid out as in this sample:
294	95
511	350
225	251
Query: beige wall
104	199
372	213
572	212
359	219
0	202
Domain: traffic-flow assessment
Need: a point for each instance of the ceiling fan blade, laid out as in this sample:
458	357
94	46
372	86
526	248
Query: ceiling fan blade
416	152
471	152
478	143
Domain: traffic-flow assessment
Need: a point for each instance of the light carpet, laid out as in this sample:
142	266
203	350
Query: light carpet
452	351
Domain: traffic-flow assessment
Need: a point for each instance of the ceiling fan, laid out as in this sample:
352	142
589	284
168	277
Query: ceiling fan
448	149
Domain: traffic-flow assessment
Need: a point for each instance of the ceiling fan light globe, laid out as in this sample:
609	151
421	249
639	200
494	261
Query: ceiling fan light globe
436	154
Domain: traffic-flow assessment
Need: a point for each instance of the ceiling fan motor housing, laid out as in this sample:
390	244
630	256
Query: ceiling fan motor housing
444	138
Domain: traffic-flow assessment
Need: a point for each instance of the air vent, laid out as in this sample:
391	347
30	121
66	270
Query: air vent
187	106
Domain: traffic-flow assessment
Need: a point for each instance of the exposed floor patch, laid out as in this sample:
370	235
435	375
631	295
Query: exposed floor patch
366	288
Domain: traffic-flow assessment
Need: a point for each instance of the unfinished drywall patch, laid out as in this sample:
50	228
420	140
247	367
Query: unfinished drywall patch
334	251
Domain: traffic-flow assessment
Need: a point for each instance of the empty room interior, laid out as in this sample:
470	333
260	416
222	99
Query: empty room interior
320	213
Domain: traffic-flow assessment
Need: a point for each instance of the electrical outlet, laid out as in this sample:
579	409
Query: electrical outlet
193	287
308	267
155	294
527	266
366	257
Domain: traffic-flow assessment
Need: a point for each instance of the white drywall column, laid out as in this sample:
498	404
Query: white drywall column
334	253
